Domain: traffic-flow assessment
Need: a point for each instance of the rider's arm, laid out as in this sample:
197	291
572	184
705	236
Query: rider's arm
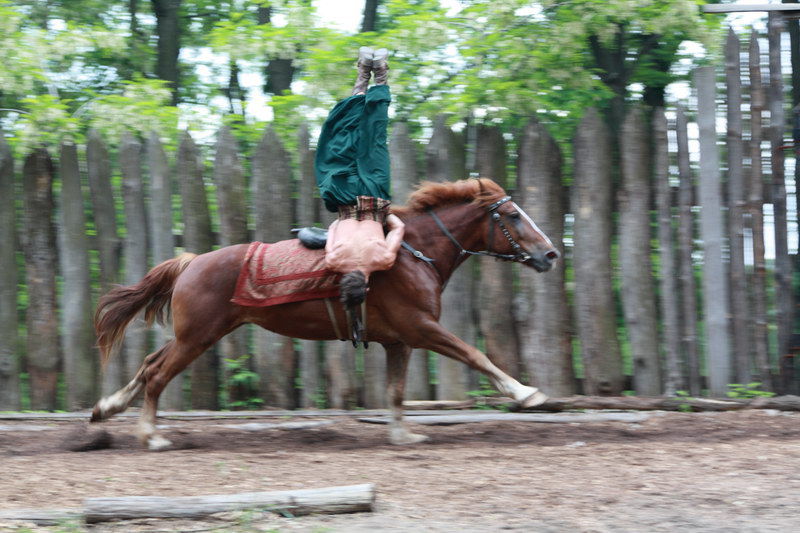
397	230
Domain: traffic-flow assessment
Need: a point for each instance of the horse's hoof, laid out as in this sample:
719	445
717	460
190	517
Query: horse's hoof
537	398
406	437
157	443
96	414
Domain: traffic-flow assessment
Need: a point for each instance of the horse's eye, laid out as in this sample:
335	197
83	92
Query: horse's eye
514	215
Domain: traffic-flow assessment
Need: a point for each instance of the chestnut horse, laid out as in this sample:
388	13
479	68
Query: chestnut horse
445	222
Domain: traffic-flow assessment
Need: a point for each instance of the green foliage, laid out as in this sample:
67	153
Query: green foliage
748	391
244	381
683	407
480	395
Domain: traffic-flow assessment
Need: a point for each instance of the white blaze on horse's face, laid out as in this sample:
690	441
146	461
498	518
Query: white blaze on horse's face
542	252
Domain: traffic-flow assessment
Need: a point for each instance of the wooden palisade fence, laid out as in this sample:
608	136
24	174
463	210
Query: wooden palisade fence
617	304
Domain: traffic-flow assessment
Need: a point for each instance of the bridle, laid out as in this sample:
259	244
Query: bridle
520	255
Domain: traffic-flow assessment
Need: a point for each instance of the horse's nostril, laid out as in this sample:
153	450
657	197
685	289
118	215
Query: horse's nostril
552	255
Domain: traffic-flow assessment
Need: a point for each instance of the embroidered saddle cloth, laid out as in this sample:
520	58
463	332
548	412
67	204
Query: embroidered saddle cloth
283	272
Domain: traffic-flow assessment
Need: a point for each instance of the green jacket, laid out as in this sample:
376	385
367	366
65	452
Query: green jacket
352	156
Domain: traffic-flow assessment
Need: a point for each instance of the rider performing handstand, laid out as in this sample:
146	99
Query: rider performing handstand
352	169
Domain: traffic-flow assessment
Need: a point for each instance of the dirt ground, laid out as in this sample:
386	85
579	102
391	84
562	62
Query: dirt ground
715	472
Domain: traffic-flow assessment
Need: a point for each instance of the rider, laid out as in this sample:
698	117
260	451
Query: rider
352	170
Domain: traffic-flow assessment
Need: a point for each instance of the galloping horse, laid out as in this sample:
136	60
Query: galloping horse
445	222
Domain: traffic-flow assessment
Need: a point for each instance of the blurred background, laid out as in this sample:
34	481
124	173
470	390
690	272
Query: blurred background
654	143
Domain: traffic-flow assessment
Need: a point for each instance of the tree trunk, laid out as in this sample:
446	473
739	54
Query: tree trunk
594	301
39	246
546	343
497	277
162	245
230	182
199	239
712	230
403	152
135	251
309	350
278	73
80	356
444	162
758	281
740	319
369	22
636	285
271	191
9	334
666	244
168	29
686	277
783	265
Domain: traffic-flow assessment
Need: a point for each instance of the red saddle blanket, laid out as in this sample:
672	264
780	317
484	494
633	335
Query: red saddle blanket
283	272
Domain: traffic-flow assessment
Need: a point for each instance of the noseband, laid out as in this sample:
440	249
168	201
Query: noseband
495	218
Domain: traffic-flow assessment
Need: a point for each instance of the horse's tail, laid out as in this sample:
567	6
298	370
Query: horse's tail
119	306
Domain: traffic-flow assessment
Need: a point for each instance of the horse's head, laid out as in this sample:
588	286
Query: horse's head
512	232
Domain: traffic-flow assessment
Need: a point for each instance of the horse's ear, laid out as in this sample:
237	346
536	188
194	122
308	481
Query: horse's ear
480	185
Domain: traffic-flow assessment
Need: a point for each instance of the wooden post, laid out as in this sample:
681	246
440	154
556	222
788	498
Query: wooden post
9	334
80	356
594	302
309	350
497	277
758	281
162	247
271	192
375	388
712	231
637	286
740	318
230	182
199	239
103	209
783	265
403	152
135	249
39	246
443	164
673	378
685	261
107	240
546	344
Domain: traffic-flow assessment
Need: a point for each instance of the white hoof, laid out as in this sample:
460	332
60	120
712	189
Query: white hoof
157	442
403	437
537	398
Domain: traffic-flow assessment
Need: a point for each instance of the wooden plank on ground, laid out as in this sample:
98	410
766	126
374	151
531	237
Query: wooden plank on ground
334	500
40	517
544	418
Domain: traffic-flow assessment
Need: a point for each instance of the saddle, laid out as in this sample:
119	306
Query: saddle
312	238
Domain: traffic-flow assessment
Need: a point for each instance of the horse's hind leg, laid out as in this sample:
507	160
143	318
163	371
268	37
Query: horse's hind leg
119	401
397	356
158	370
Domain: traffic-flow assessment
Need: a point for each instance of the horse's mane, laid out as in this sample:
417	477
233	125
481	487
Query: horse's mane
429	194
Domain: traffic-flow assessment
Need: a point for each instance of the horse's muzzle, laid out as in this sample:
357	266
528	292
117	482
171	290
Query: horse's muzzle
543	261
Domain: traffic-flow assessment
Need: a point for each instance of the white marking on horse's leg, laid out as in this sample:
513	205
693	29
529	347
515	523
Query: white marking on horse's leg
525	395
398	431
117	402
146	430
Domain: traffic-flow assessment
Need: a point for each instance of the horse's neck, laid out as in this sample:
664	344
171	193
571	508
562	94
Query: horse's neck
465	223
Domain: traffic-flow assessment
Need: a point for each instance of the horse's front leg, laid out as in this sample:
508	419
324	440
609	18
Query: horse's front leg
397	356
433	336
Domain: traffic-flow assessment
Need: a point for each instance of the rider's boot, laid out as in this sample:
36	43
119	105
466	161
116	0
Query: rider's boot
364	70
380	66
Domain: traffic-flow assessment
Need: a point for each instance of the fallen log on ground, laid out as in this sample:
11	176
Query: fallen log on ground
545	418
40	517
638	403
330	500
